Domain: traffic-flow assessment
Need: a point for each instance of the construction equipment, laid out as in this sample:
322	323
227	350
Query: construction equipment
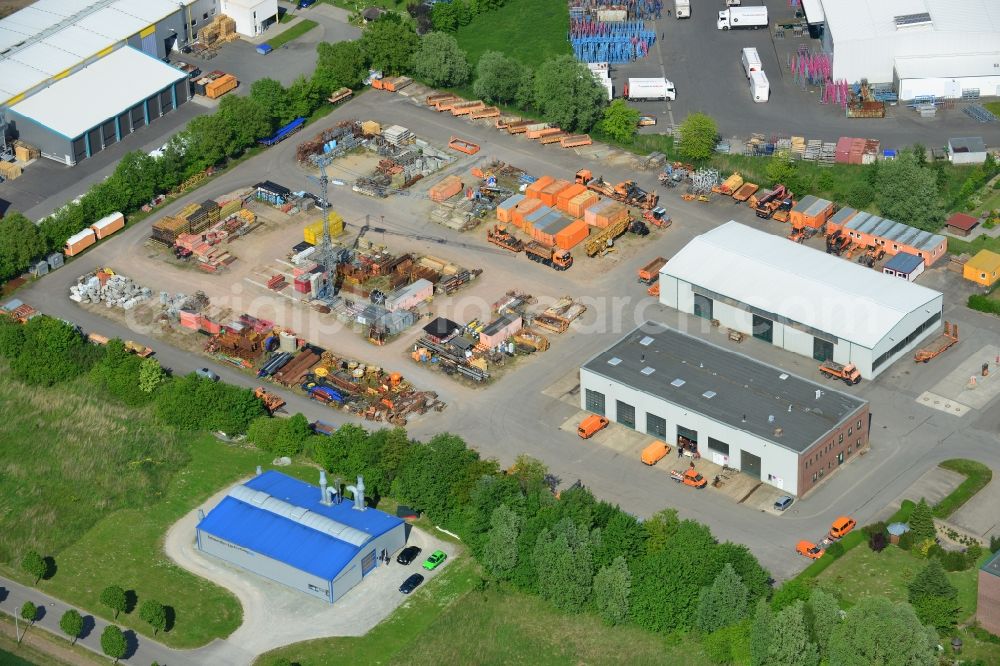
745	191
605	237
142	351
499	235
654	289
529	338
796	236
768	204
271	401
627	192
650	273
556	258
340	95
689	477
463	145
783	210
730	185
584	176
837	243
939	344
873	255
657	217
848	373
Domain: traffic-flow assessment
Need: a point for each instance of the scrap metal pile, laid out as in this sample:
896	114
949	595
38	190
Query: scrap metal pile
113	290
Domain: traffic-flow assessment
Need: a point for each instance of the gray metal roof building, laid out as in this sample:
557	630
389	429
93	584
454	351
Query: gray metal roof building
737	410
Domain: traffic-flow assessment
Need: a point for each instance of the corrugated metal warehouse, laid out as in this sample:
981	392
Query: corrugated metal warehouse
784	430
923	47
303	536
799	299
52	42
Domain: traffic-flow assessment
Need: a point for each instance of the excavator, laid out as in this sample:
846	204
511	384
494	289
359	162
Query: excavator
627	192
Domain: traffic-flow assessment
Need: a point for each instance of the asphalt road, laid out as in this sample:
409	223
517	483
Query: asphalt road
514	416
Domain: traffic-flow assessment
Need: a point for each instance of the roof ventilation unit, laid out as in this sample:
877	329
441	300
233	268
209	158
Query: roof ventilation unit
708	394
646	341
614	361
677	382
648	370
912	20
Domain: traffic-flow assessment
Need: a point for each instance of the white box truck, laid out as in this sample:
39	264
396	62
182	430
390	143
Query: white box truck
608	86
733	3
644	90
751	61
736	18
682	8
760	89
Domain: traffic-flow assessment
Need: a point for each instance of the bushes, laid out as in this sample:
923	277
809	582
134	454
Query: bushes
193	403
984	304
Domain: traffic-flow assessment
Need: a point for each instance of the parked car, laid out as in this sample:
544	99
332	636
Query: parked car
435	560
407	555
783	503
205	373
411	583
591	425
810	550
841	526
305	3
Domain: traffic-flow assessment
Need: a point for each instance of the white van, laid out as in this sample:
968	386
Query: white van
751	61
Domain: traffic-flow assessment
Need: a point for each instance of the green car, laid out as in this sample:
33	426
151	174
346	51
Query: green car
435	560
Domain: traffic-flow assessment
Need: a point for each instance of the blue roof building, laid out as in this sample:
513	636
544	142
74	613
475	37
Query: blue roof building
904	265
300	535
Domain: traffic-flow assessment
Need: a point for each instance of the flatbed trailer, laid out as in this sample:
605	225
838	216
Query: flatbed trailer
937	346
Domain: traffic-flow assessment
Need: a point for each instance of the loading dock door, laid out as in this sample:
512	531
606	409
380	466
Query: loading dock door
79	150
368	563
95	140
108	133
124	125
595	402
822	350
166	101
750	464
687	438
763	329
138	117
702	306
149	44
153	103
625	414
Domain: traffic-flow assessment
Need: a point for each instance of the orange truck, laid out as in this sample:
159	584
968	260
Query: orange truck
650	273
690	477
849	373
655	452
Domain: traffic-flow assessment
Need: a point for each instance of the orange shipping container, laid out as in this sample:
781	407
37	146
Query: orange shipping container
551	191
505	211
108	225
605	213
581	202
569	237
446	189
534	190
564	197
79	242
220	86
526	207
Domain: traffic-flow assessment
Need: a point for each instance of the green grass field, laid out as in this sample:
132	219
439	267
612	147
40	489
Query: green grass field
977	476
96	486
294	32
530	31
993	107
495	626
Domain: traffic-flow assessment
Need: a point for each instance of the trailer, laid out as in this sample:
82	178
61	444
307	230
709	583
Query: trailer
340	95
682	8
284	132
751	61
745	191
742	18
463	145
760	88
649	89
937	346
575	141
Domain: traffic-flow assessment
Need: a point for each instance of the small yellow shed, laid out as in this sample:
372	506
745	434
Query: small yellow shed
984	268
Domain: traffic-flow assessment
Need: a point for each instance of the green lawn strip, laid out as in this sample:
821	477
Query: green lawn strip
529	31
294	32
29	653
395	634
956	246
993	107
126	548
977	475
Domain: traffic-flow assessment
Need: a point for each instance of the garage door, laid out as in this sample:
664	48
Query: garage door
656	426
166	101
79	150
153	104
625	414
95	140
368	563
108	133
595	402
750	464
181	90
124	125
763	329
702	306
138	117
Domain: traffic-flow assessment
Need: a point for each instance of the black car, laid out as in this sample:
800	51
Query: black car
411	583
407	555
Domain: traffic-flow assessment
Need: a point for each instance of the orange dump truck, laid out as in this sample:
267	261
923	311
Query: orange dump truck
650	273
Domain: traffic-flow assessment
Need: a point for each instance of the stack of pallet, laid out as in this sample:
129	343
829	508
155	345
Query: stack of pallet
9	170
798	146
221	29
168	229
446	189
24	152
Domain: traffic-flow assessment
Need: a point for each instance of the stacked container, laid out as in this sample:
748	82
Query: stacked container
534	190
552	190
581	202
564	197
505	211
605	213
446	189
522	210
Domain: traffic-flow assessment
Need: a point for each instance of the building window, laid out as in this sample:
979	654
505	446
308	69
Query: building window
829	464
840	438
848	450
595	402
625	414
720	447
850	431
204	16
859	424
821	473
840	458
907	340
814	477
194	23
656	426
859	442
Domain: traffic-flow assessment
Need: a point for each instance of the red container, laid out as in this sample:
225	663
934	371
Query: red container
301	285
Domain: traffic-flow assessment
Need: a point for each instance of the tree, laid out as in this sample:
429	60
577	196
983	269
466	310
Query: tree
113	642
303	98
933	597
440	62
151	375
568	95
920	154
53	352
754	576
113	596
660	528
860	195
563	561
29	611
699	135
823	614
497	76
444	16
907	193
620	121
20	243
877	632
922	522
622	536
154	614
338	65
792	590
389	43
781	171
71	623
272	98
760	633
790	644
723	603
245	120
34	565
500	553
612	587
